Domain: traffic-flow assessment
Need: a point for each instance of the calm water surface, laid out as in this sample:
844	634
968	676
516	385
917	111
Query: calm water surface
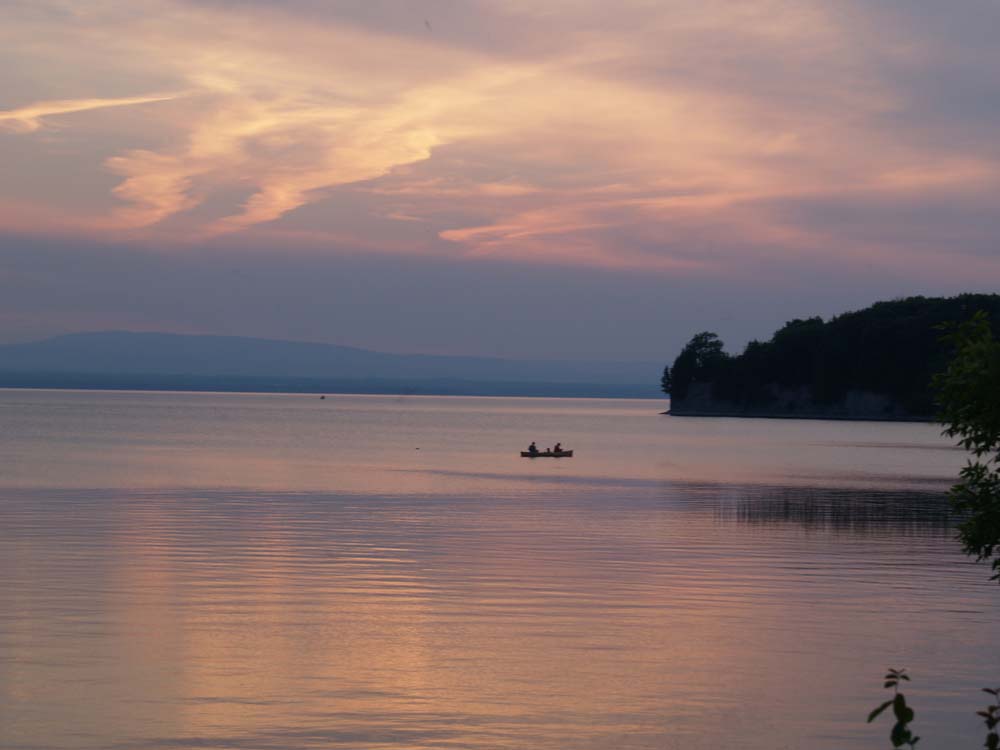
267	571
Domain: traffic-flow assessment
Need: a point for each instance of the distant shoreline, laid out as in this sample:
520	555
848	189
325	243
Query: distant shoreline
814	416
224	384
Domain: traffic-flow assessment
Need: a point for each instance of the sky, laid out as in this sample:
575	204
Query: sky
551	179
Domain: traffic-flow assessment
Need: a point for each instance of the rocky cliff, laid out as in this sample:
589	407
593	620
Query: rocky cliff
798	402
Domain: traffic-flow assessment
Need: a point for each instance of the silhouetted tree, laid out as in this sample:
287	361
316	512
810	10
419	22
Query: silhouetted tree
891	348
969	400
701	359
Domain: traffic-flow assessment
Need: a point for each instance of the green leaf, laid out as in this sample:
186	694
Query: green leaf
899	735
878	710
899	707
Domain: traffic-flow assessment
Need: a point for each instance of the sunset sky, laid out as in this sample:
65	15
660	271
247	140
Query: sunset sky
554	178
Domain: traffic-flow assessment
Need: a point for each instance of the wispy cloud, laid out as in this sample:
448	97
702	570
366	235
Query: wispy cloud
30	118
662	136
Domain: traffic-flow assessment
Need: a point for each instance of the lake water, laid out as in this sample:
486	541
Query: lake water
275	571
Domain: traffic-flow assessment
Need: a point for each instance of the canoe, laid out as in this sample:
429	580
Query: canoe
547	454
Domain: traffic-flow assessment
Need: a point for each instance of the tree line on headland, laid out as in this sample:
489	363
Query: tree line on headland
875	363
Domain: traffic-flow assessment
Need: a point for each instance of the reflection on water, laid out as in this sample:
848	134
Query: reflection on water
468	599
877	512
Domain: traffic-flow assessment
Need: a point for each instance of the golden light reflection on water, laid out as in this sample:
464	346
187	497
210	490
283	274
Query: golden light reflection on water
260	620
548	612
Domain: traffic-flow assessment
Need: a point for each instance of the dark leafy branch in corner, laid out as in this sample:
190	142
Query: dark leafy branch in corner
991	717
901	734
969	407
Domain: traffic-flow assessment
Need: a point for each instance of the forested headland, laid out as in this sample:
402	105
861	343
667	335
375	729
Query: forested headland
875	363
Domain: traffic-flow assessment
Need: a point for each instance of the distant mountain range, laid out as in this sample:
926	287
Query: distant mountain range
121	359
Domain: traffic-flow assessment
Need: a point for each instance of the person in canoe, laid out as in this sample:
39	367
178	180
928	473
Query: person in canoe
557	448
532	448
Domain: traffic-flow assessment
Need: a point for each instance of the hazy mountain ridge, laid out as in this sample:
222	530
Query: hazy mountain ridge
123	353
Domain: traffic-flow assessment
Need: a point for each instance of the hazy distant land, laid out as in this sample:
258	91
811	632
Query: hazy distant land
164	361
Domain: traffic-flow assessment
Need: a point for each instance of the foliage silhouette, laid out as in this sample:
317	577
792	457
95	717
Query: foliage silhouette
891	349
901	733
701	360
969	406
991	717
